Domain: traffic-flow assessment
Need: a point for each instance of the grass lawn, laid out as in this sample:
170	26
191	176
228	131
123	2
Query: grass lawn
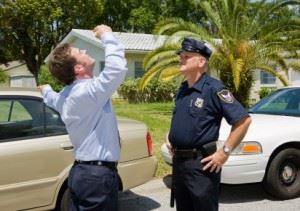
157	116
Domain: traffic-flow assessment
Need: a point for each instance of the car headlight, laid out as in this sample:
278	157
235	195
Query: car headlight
244	148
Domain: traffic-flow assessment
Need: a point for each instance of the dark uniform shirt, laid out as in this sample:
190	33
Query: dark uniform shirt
199	110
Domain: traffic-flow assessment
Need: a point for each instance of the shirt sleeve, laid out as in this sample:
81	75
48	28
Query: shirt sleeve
230	108
114	71
50	97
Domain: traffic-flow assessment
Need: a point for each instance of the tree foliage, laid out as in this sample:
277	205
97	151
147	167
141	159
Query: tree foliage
3	76
245	37
30	28
45	77
142	15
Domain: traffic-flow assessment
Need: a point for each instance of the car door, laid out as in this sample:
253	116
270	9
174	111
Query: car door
35	153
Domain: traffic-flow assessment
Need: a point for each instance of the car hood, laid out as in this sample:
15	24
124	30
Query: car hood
264	126
125	124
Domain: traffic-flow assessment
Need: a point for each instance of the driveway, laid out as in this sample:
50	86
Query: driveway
155	194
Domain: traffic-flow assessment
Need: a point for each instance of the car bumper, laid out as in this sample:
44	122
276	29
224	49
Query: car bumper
165	154
241	169
238	169
137	172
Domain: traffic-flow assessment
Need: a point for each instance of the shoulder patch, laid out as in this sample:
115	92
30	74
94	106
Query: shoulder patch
226	96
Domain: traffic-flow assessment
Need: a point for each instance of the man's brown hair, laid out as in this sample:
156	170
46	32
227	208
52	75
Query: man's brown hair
61	64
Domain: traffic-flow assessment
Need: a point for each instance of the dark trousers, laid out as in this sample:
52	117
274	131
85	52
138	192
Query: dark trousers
195	189
93	188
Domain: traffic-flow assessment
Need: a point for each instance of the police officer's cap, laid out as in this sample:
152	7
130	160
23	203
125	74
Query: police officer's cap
194	46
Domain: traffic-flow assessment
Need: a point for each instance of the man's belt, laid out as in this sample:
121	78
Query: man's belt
112	165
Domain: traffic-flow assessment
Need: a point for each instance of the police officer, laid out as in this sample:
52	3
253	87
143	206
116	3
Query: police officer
200	105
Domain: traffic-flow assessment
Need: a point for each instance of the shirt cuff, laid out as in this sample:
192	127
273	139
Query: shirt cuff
107	36
46	89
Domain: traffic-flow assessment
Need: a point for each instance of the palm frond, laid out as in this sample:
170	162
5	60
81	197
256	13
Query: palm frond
210	12
275	6
237	68
161	53
169	73
147	77
156	70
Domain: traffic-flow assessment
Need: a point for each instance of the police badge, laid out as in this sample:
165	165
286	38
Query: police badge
199	103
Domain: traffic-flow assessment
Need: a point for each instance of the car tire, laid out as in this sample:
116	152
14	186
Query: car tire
282	179
64	201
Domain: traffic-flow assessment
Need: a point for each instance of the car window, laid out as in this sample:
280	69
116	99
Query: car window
12	111
281	102
28	118
54	124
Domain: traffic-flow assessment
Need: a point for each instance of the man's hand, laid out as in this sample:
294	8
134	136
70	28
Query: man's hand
100	30
41	87
215	161
168	144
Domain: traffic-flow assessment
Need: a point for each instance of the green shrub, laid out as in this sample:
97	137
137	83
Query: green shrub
3	76
264	91
155	91
45	77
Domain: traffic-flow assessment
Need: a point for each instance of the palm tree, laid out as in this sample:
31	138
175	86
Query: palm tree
245	36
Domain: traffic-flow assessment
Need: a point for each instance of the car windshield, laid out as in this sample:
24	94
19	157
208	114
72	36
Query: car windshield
281	102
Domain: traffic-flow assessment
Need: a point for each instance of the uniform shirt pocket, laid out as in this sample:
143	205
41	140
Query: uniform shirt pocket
197	112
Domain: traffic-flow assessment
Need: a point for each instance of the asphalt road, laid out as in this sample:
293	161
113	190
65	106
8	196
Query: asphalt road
155	194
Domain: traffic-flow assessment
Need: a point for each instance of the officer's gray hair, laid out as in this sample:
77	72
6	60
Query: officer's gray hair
206	66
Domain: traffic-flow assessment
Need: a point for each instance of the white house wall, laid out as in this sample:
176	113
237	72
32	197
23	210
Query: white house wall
18	76
295	77
131	59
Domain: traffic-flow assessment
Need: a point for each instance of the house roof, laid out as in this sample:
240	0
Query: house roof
131	41
11	65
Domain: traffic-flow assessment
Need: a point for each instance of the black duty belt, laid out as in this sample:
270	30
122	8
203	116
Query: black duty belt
112	165
189	153
204	150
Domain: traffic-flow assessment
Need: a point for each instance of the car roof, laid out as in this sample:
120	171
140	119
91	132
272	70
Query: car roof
33	92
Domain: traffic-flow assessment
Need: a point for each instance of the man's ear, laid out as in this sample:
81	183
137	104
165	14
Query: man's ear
79	69
201	62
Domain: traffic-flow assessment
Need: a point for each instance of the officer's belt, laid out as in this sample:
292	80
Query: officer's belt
188	153
204	150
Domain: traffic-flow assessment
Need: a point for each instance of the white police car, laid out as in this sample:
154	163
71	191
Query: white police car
270	152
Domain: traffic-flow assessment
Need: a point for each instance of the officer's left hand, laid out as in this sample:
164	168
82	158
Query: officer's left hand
215	161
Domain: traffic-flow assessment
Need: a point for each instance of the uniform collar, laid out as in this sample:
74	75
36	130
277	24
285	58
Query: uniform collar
198	85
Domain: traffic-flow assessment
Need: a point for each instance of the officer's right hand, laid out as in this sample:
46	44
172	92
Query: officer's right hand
215	161
100	30
168	144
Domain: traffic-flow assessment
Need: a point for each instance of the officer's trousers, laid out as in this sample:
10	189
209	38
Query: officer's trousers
195	189
93	188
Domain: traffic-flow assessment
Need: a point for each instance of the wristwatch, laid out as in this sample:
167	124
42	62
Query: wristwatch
226	150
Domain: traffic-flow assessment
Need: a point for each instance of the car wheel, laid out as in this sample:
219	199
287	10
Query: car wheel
64	203
282	179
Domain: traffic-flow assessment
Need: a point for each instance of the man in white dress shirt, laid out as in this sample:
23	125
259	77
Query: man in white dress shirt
85	107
